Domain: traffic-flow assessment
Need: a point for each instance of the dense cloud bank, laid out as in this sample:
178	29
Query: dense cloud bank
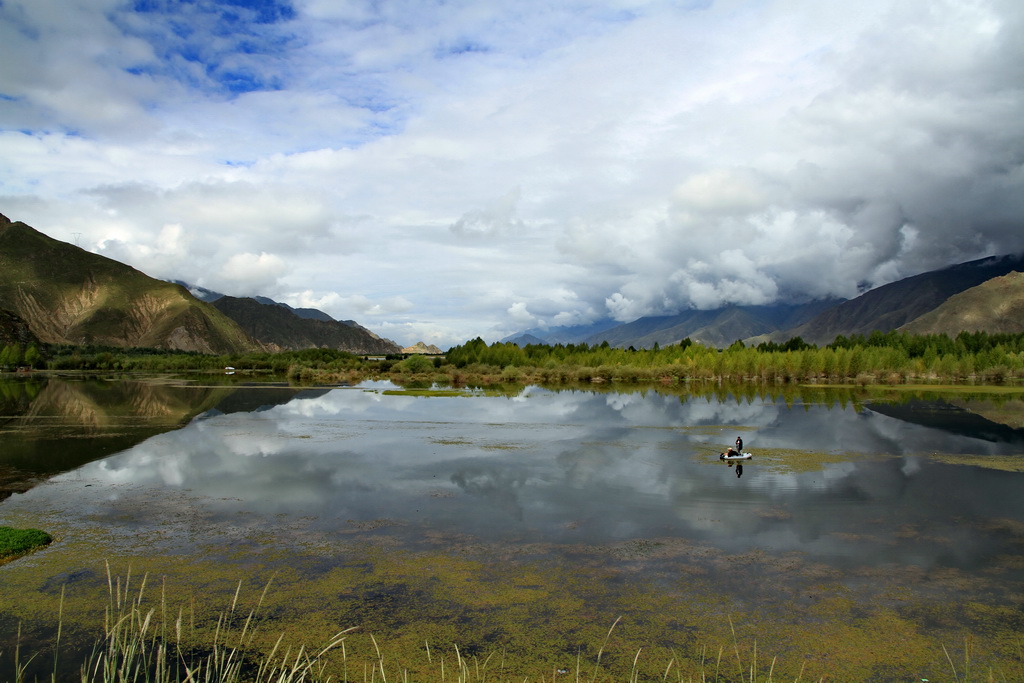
438	171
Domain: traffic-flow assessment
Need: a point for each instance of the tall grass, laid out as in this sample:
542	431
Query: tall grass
141	646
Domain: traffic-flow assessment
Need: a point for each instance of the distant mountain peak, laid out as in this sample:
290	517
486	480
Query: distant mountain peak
525	340
420	347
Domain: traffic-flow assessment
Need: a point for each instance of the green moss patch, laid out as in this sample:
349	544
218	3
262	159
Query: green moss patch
17	542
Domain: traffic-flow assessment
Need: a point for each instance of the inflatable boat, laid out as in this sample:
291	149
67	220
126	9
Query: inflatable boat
736	456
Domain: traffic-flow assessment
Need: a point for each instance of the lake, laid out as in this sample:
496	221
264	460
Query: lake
869	531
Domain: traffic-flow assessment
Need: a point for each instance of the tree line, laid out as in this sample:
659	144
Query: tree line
881	357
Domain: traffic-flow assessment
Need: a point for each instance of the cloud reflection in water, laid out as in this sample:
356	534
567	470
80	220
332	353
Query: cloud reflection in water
574	467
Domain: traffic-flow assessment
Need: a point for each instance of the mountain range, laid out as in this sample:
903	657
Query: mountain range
55	292
900	303
985	294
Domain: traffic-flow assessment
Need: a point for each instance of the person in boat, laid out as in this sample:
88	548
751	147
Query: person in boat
730	451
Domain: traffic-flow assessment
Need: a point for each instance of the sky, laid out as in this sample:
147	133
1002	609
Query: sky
439	170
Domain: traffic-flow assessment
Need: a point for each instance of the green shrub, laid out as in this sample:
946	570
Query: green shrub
416	364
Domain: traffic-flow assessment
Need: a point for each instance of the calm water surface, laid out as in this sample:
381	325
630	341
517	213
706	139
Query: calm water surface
851	487
571	466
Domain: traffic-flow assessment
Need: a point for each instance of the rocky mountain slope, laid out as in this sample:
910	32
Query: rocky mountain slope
68	295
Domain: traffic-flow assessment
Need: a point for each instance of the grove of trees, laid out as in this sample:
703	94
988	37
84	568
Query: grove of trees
880	357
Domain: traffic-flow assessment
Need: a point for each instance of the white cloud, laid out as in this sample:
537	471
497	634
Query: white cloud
252	273
349	307
497	219
454	170
520	315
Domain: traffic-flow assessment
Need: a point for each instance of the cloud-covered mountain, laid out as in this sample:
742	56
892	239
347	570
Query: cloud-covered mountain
717	327
898	303
526	339
984	294
566	334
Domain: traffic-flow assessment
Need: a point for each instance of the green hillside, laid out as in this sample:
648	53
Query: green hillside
69	295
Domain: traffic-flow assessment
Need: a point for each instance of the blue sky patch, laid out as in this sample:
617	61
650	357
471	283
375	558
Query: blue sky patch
198	42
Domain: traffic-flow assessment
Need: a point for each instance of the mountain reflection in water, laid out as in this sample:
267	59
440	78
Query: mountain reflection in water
950	418
846	486
50	425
